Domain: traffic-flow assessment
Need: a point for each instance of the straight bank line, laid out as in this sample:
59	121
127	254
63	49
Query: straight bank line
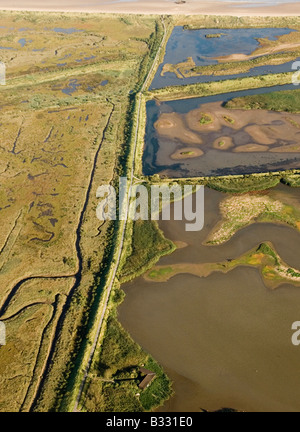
115	268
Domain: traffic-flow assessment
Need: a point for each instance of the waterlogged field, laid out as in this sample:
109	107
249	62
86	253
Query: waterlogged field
63	115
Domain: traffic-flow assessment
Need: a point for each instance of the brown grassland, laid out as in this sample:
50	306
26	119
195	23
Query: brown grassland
63	117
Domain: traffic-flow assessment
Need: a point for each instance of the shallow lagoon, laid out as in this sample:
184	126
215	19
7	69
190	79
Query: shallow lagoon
193	43
158	150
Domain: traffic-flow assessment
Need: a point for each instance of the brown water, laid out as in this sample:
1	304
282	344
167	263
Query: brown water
224	340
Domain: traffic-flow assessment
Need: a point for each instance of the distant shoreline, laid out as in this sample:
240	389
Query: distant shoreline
156	7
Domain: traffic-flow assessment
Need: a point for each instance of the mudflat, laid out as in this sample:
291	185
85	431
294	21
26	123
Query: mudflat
213	126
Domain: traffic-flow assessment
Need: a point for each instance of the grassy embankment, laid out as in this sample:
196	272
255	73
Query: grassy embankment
264	257
107	387
213	88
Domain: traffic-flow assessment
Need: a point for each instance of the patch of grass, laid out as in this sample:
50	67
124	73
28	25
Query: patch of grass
117	372
244	184
285	101
290	179
217	87
266	249
205	119
159	390
148	245
242	210
187	153
228	119
240	67
163	271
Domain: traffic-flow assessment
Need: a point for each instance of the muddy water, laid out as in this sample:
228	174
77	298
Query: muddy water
225	340
158	150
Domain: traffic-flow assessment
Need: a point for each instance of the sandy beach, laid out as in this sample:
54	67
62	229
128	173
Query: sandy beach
191	7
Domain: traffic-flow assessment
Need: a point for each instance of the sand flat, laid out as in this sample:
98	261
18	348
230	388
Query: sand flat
191	7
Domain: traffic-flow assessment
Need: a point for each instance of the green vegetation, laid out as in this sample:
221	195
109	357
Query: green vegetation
205	119
212	88
181	70
154	274
147	245
239	67
187	153
267	249
291	179
242	210
293	273
66	113
243	184
229	119
264	257
189	69
237	184
159	390
214	35
194	22
115	378
284	101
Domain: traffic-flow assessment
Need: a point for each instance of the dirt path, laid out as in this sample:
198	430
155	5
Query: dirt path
123	228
